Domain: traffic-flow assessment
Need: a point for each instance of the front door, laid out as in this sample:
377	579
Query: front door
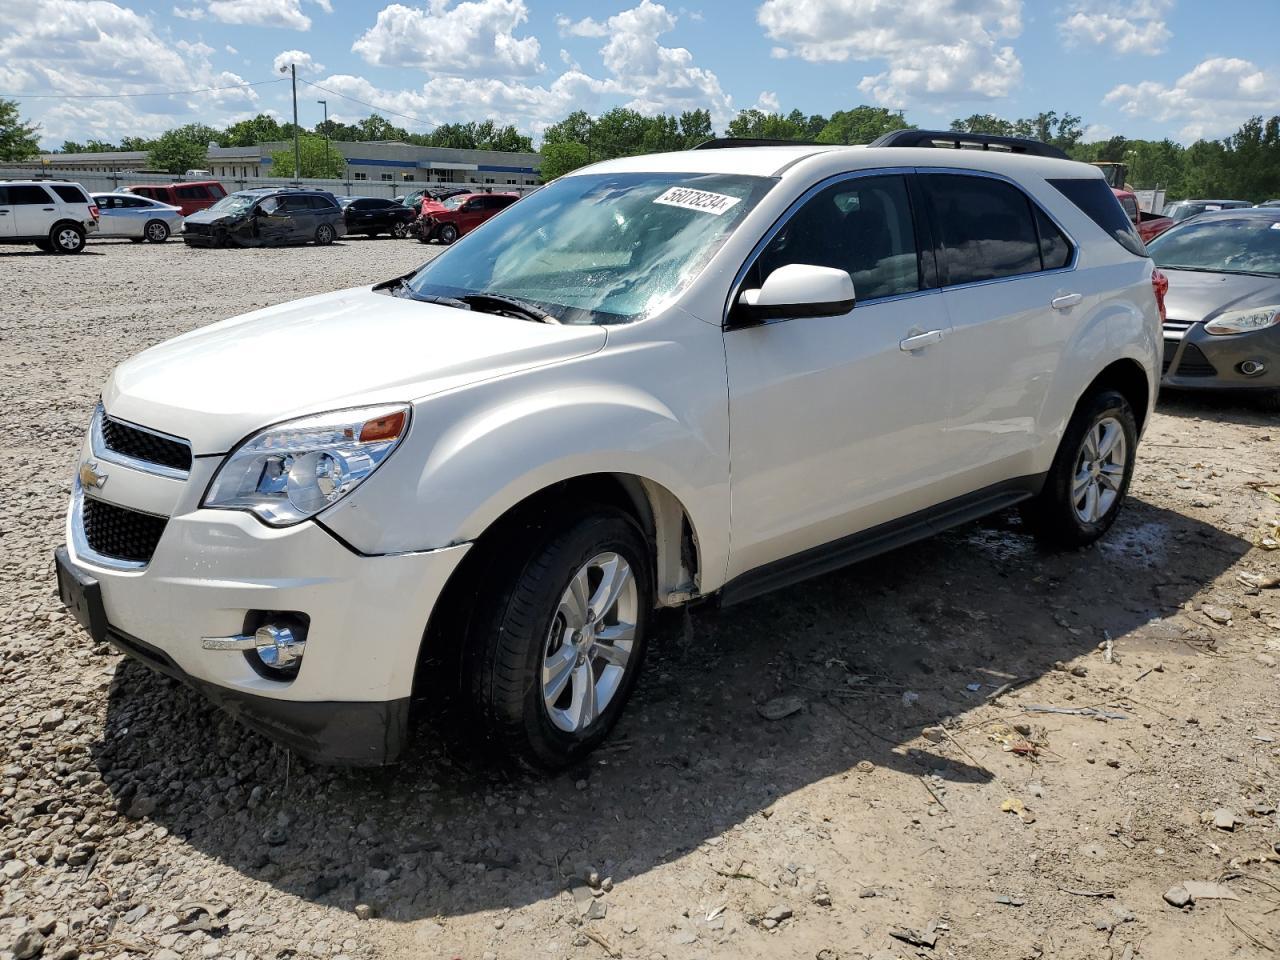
8	221
838	424
33	209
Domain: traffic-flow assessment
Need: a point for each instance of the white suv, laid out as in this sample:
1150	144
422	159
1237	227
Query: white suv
658	379
55	215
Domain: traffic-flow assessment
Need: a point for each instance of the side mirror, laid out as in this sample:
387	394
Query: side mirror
799	290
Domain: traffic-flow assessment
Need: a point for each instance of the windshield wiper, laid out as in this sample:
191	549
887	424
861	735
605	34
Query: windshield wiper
494	303
1234	273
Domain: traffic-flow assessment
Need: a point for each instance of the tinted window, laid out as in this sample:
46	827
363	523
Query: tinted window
985	229
1130	207
193	193
1249	245
321	203
862	226
4	195
132	202
1055	248
216	191
27	195
70	194
106	203
1095	198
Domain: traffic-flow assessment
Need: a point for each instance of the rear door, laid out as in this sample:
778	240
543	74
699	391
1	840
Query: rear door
8	222
302	217
838	424
111	216
1003	263
33	210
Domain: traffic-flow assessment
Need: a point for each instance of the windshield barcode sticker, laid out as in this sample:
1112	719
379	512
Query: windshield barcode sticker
702	200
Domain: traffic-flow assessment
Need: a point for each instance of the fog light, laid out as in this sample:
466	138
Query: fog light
279	647
1251	368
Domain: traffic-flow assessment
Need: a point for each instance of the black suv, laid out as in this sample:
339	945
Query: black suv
374	215
267	216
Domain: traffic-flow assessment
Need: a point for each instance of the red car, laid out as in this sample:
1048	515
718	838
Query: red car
458	216
1149	225
190	195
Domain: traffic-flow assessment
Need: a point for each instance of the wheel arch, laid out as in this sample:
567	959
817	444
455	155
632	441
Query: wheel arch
1130	379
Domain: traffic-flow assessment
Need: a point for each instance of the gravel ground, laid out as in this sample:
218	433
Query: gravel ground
137	820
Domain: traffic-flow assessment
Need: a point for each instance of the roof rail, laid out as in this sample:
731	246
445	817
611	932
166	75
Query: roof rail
958	140
721	143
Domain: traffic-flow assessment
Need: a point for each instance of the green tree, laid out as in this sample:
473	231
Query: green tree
575	128
375	127
263	128
695	127
983	123
318	161
862	124
758	125
17	138
183	148
562	156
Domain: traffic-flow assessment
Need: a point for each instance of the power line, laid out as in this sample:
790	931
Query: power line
121	96
371	106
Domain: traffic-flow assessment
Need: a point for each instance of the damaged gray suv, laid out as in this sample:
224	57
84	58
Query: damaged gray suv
269	216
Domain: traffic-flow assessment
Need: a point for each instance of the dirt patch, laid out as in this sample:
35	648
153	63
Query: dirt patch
1000	753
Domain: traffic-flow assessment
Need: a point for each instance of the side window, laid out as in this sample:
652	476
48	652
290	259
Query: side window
320	204
70	194
132	202
1130	206
1095	199
1055	248
271	206
105	203
985	228
216	191
29	195
862	225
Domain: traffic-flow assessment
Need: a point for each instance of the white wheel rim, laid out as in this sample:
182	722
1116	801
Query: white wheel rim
1100	470
588	648
68	239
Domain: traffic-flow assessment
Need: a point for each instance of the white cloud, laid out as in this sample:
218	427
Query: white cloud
286	14
96	47
1136	27
1212	99
768	102
587	27
936	49
303	61
473	38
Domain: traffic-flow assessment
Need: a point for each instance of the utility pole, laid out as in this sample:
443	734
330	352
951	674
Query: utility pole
297	151
325	104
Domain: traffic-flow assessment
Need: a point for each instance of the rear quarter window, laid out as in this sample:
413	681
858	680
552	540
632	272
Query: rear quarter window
69	194
1094	198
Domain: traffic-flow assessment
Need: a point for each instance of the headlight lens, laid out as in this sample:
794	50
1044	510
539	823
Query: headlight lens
1244	321
292	471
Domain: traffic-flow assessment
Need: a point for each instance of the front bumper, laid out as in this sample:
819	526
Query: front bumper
212	572
1195	360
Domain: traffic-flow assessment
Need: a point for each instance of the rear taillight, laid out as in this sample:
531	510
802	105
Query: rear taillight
93	210
1160	284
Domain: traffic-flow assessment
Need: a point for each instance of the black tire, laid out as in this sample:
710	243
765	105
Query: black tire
136	240
156	231
324	235
66	238
512	631
44	245
1055	515
1269	402
400	230
448	233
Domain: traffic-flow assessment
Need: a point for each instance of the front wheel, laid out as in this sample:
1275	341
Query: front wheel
556	653
324	235
448	233
156	231
1090	475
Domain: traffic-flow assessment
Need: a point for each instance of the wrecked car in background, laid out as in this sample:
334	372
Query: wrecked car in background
267	217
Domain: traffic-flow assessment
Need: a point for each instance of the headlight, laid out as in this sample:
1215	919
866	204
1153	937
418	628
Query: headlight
293	470
1243	321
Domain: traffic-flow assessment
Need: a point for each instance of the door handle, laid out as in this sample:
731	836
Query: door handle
1066	301
47	209
918	341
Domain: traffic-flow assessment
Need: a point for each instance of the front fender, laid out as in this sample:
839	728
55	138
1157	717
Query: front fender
474	454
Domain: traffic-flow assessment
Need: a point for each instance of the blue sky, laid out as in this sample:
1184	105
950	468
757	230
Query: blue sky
1144	68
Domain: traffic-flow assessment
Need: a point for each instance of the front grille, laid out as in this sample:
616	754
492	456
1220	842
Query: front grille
1195	363
121	533
1175	329
201	229
144	445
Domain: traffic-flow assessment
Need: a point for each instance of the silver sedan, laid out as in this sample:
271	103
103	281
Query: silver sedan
138	218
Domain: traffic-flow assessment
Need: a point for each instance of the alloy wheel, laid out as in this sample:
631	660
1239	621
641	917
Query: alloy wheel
589	645
69	239
1100	470
157	232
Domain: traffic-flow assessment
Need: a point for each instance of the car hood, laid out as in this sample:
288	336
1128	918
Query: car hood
216	385
1195	296
210	216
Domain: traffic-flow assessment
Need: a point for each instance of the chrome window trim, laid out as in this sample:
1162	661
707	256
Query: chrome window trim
80	543
102	452
735	288
1075	246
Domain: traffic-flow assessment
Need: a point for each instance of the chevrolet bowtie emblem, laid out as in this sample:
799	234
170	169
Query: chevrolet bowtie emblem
89	475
